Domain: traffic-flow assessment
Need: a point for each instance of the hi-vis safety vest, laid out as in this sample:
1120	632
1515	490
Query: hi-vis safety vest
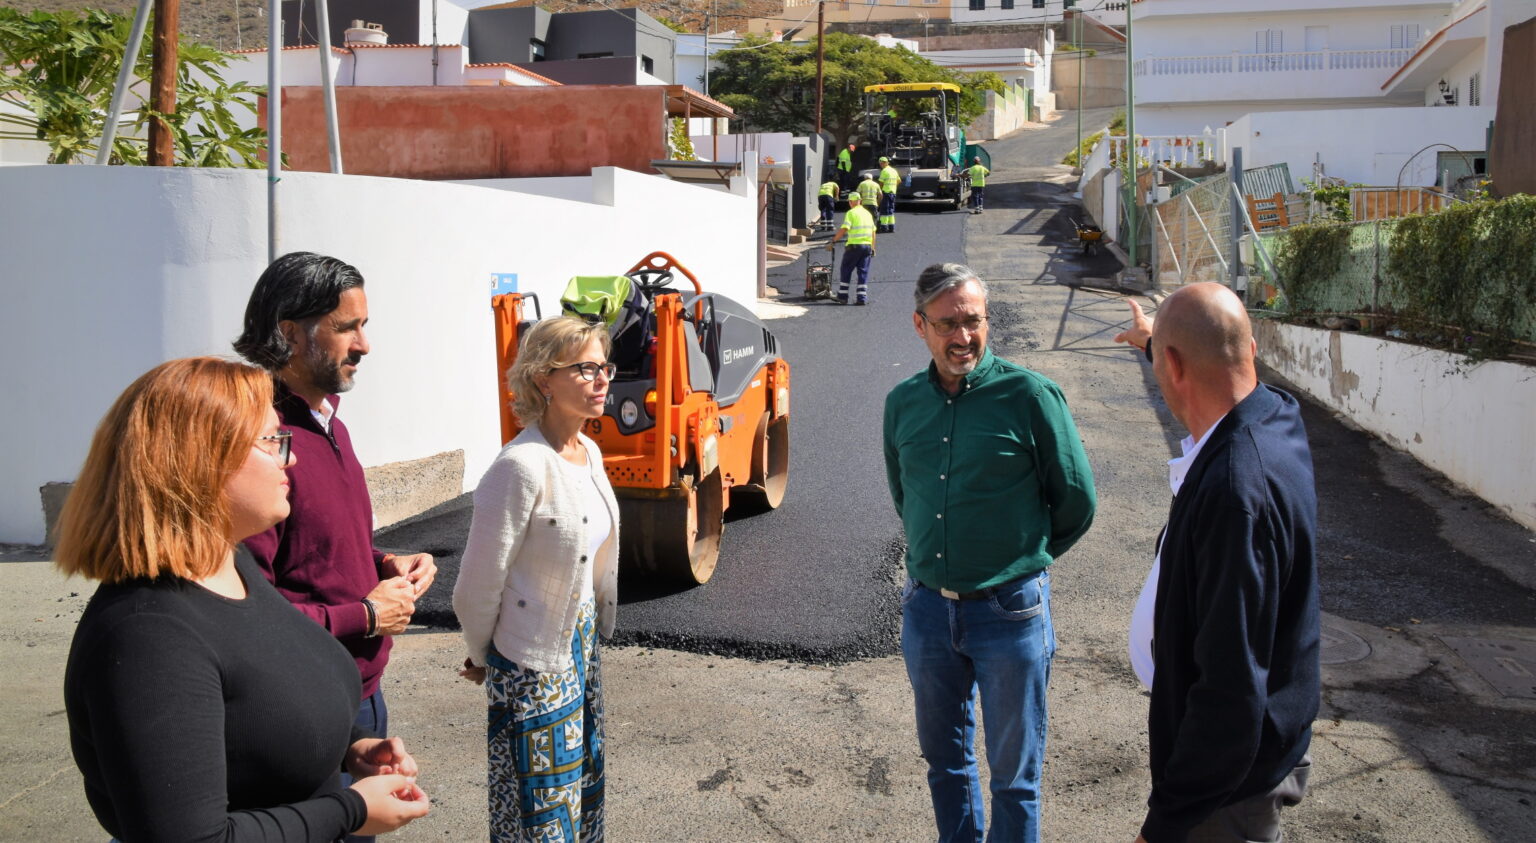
869	192
978	175
828	189
860	226
889	179
845	160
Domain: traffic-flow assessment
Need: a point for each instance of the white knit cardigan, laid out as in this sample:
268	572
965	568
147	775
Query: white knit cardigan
518	583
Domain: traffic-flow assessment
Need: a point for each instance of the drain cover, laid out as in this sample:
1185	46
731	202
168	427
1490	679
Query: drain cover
1340	646
1508	664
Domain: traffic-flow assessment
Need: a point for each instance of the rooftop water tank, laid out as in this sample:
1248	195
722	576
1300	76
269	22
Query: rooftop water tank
361	34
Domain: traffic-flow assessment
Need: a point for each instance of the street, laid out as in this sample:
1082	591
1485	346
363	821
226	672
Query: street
769	704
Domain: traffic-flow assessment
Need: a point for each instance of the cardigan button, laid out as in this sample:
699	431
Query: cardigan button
522	604
583	558
583	519
551	522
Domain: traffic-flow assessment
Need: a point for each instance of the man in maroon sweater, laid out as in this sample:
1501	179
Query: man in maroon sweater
304	323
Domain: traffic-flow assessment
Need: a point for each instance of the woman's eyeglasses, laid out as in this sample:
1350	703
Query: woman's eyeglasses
284	445
589	370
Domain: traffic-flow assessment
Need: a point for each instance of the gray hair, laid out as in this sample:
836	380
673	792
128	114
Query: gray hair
940	278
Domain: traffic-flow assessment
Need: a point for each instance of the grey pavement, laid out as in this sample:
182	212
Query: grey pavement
1415	740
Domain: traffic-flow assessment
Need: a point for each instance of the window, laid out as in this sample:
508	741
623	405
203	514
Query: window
1405	36
536	49
1038	4
1475	89
1006	4
1269	41
594	55
647	65
978	5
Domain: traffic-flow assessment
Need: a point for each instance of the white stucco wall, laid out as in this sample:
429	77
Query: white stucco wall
1023	12
1472	424
1367	146
157	263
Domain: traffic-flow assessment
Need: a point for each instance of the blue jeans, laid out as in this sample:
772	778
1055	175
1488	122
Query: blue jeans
373	716
1002	645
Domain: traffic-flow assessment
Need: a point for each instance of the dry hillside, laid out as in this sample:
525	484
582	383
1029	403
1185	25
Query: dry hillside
230	24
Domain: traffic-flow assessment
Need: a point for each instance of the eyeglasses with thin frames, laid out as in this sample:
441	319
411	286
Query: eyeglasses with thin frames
589	370
945	327
284	440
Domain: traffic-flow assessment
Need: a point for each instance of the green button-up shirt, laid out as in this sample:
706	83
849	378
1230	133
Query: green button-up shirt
991	483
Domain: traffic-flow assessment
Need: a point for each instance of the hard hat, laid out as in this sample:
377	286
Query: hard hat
853	198
884	160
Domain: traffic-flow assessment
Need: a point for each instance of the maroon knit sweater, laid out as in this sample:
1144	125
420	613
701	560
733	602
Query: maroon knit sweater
322	557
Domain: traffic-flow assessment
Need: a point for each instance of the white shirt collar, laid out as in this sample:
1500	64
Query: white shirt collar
1178	467
324	414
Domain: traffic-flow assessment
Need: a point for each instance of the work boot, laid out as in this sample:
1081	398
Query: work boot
862	301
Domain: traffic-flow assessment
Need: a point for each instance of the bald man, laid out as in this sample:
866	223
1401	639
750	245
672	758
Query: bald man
1235	637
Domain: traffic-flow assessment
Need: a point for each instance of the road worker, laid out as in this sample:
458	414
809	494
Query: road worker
869	193
859	226
826	199
978	175
890	179
845	176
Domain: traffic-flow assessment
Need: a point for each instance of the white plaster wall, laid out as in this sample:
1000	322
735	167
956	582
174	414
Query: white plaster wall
1233	30
158	263
1023	11
1471	424
1209	9
1368	146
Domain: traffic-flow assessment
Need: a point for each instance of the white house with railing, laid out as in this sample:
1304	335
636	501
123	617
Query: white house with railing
1002	11
1199	63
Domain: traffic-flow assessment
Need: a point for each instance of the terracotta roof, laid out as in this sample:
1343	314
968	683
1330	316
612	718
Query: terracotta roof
1427	44
285	49
528	73
393	46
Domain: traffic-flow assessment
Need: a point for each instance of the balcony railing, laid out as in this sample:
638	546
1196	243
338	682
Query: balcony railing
1272	62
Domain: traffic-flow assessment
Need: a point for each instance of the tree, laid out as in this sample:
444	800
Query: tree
773	84
59	69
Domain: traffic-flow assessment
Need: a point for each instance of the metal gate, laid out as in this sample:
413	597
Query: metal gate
778	214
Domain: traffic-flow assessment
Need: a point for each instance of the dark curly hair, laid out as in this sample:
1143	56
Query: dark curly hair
298	286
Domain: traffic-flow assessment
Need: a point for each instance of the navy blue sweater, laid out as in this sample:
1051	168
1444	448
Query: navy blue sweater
1236	633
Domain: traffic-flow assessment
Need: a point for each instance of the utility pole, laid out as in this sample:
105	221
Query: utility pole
821	25
1082	55
162	83
1130	140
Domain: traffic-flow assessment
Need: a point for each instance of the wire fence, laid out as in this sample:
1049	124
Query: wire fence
1363	286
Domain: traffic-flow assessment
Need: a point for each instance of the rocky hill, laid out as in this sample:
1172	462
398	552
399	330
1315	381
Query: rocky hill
233	24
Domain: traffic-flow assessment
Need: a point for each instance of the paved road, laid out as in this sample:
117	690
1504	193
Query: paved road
1412	743
814	580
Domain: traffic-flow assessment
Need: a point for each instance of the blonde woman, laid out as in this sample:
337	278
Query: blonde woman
201	704
538	582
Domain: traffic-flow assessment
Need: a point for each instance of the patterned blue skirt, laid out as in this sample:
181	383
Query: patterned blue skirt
545	745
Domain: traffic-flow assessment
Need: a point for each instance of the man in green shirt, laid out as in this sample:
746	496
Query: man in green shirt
991	483
978	175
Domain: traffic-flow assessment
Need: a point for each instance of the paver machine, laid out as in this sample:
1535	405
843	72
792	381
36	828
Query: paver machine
917	126
697	418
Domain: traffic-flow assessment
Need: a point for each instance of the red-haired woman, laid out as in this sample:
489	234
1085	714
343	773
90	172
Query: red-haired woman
202	705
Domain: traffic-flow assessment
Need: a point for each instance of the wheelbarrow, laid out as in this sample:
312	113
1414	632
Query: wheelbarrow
1090	235
818	271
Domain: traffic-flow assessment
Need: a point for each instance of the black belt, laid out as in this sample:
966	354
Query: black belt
979	594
